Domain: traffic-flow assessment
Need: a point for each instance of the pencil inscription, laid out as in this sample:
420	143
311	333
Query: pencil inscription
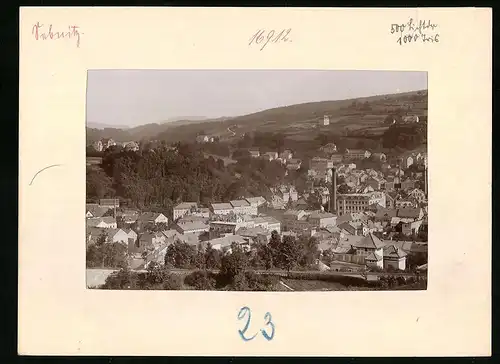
262	37
412	31
45	32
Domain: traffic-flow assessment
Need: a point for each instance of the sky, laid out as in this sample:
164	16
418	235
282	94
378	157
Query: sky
136	97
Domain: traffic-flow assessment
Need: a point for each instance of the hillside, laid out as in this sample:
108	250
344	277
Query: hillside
296	121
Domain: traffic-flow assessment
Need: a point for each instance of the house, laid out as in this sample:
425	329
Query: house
320	219
286	155
94	210
254	153
318	163
356	154
277	202
411	227
192	227
107	222
295	161
413	213
183	209
394	258
325	121
294	214
418	195
329	148
98	146
371	248
350	228
223	208
336	158
107	143
375	182
379	157
402	203
109	203
243	207
224	244
118	236
132	235
267	222
254	234
270	156
152	218
358	202
202	139
203	212
407	184
256	201
129	217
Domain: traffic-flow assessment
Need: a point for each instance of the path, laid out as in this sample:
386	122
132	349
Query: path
229	130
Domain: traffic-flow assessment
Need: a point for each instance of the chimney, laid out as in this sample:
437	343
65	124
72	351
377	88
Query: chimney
332	204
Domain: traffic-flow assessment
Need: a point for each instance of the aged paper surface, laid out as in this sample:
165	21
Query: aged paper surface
57	315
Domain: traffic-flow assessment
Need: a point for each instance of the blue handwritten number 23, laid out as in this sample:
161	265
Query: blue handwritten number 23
243	312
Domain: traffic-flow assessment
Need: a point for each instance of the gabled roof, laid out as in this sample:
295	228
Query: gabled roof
369	241
192	225
373	257
409	212
391	251
148	216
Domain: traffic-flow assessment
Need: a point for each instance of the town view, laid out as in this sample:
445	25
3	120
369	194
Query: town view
316	195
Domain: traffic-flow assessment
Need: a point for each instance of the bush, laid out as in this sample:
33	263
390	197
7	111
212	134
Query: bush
200	280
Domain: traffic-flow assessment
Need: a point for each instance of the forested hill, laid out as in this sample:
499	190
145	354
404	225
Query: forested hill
344	112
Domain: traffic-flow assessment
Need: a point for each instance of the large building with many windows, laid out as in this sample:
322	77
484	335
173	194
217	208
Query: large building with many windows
358	202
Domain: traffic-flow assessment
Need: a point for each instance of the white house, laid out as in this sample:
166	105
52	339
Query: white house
394	257
183	209
152	218
256	201
243	207
223	208
106	222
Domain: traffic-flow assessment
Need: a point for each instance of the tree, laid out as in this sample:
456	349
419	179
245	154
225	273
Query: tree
288	253
180	255
212	257
309	252
234	263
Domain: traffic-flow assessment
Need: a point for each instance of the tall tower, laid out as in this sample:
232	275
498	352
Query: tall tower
332	203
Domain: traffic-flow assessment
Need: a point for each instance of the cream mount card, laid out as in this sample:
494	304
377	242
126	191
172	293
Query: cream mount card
125	67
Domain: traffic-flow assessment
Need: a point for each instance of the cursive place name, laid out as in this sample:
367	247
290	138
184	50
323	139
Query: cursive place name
262	37
45	32
412	31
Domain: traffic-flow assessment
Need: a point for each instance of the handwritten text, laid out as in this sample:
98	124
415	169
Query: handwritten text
45	32
412	32
246	312
262	37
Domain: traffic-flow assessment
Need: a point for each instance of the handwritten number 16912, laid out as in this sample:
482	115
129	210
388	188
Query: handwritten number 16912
245	311
264	37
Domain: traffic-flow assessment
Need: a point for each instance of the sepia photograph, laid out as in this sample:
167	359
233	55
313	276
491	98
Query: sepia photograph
256	180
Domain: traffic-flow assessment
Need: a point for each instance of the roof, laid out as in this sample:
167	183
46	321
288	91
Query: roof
227	240
192	225
384	212
258	199
96	210
94	221
293	212
239	203
409	212
268	219
391	251
186	205
355	151
372	256
321	215
253	232
222	206
369	241
148	216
